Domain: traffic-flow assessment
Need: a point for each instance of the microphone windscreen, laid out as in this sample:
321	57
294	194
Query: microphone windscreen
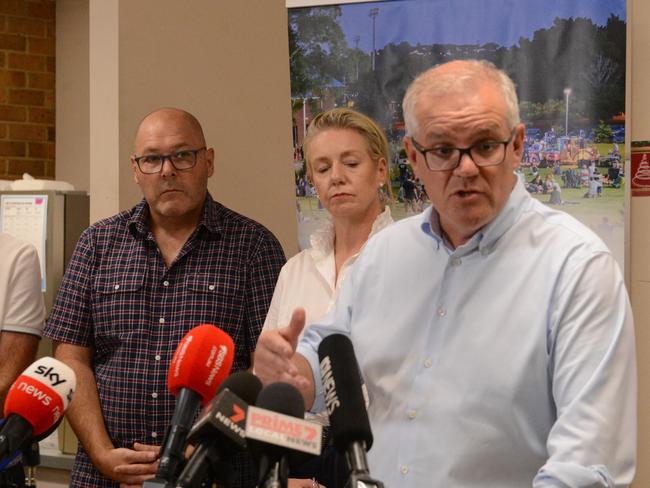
41	394
201	361
343	395
245	385
282	398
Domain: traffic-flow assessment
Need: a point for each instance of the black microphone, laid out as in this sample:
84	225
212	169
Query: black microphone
272	459
220	431
350	427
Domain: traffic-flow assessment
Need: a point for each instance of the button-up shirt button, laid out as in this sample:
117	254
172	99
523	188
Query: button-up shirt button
154	395
165	283
404	469
428	363
154	435
157	357
412	414
117	287
161	320
211	287
442	311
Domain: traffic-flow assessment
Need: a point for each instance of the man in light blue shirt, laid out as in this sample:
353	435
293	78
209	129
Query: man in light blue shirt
494	333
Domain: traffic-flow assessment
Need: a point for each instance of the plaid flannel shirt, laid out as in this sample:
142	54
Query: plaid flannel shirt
118	297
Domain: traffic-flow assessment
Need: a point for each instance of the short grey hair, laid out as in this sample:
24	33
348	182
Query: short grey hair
472	72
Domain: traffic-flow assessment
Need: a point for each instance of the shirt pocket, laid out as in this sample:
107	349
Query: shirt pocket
119	308
215	298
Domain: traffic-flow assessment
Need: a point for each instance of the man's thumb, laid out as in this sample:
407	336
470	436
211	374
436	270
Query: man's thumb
292	332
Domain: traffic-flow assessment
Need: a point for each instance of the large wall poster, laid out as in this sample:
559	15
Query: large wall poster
566	58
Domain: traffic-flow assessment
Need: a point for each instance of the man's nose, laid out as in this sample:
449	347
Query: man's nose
167	169
466	166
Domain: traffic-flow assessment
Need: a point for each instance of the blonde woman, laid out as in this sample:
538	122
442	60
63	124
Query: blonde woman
347	163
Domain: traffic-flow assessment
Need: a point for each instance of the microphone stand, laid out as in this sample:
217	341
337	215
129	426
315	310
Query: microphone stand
278	475
359	472
31	459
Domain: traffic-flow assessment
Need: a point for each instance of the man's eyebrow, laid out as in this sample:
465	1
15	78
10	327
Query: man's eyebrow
483	131
177	147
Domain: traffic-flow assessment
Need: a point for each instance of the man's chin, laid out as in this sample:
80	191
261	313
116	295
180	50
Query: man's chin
172	209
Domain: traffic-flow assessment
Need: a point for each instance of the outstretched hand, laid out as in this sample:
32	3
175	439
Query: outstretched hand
275	353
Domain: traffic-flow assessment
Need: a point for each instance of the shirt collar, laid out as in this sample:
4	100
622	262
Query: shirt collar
486	238
322	241
138	222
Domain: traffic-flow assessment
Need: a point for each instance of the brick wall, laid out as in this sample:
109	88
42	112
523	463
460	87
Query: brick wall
27	88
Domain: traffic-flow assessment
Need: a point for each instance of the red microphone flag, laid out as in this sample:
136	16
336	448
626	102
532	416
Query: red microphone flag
202	360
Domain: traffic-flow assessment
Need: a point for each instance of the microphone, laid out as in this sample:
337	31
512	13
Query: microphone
202	360
275	428
35	404
346	407
219	433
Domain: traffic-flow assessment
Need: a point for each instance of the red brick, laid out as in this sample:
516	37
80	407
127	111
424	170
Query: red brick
26	97
50	30
49	99
51	134
27	62
26	26
3	23
44	81
12	148
2	59
50	64
13	42
3	131
41	115
12	78
13	114
43	150
13	7
17	167
27	132
41	46
3	96
43	9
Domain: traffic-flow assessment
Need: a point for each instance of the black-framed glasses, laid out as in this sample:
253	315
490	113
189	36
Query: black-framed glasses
446	158
182	160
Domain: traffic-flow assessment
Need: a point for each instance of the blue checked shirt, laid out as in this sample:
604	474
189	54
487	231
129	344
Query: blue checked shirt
118	297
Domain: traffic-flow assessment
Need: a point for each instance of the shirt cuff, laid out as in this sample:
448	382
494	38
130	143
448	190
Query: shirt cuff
35	329
312	358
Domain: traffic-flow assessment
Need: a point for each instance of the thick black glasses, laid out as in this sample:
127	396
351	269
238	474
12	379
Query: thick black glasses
181	160
446	158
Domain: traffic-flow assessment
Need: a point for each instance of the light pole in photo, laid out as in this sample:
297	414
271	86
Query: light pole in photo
373	13
567	93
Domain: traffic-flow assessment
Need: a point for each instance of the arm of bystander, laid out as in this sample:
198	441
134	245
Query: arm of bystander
128	466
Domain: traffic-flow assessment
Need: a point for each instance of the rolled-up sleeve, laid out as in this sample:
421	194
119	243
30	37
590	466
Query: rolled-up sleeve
592	360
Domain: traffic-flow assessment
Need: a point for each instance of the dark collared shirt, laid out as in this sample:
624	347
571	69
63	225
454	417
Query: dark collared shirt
118	297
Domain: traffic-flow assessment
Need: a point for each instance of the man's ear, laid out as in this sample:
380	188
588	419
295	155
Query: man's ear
518	144
134	167
209	156
411	153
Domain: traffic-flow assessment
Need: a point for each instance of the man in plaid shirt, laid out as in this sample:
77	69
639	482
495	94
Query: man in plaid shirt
140	280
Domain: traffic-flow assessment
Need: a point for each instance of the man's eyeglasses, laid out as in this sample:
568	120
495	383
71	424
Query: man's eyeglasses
446	158
181	160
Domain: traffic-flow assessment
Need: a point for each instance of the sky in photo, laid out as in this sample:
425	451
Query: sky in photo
464	21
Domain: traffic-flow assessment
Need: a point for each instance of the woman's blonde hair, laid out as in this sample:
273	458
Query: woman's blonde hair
346	118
